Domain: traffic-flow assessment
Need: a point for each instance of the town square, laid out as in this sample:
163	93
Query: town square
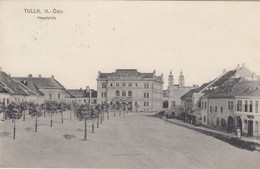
129	85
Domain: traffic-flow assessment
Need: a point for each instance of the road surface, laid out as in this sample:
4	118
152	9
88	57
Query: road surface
135	140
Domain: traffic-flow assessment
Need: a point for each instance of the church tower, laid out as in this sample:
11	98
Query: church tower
170	80
181	80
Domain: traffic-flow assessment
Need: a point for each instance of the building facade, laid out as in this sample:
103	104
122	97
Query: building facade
229	102
139	91
81	96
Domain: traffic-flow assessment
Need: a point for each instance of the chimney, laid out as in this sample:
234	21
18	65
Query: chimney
254	77
40	76
224	71
52	76
30	75
87	88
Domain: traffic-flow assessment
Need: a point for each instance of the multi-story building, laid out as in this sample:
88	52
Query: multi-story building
139	91
228	102
49	88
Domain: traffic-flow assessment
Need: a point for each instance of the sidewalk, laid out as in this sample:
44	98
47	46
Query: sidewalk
243	142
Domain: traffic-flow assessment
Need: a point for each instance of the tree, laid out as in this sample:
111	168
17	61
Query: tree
13	112
23	107
98	109
2	110
62	107
51	107
35	112
82	112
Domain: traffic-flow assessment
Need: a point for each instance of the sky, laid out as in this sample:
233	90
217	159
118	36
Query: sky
199	38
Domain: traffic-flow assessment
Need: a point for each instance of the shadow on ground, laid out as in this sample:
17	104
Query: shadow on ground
251	146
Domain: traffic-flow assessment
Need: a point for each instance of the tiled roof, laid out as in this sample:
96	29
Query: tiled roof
196	90
40	83
235	87
2	90
77	93
10	85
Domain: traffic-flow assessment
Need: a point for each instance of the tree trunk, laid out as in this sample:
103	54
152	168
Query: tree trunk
98	122
70	114
114	114
61	117
107	115
51	120
85	131
14	130
101	119
93	125
24	115
44	113
103	115
36	123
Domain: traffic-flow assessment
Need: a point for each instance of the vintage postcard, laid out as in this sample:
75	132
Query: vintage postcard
130	84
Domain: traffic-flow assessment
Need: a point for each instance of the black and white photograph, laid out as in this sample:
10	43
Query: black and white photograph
130	84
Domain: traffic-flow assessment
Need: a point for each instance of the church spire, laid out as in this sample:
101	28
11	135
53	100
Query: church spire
181	80
170	80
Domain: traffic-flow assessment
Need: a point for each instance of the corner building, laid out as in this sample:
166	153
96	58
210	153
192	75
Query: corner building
139	91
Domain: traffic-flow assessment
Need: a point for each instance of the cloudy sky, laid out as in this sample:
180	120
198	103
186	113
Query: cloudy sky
201	38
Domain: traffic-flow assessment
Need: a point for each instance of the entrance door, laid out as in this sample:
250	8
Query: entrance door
250	128
239	124
230	124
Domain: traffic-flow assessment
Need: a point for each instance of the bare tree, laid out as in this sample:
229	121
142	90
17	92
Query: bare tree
35	112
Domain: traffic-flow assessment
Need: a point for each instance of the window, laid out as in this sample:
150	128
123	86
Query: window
256	106
136	84
123	93
50	96
117	84
147	95
129	93
204	118
211	108
103	85
173	103
85	100
105	94
199	105
123	84
147	104
146	86
58	96
221	109
111	84
239	105
205	105
246	106
102	94
144	95
216	109
144	103
250	106
117	93
129	84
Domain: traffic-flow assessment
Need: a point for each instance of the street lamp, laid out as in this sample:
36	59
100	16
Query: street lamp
90	109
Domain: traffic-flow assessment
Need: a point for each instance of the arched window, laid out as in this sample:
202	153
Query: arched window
117	93
123	93
129	93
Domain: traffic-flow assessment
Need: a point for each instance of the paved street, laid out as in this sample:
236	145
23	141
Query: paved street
130	141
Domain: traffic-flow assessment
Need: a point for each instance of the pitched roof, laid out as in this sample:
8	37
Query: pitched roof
196	90
129	73
78	93
235	87
36	83
11	86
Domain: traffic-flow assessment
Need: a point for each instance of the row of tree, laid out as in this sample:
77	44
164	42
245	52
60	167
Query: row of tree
84	112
